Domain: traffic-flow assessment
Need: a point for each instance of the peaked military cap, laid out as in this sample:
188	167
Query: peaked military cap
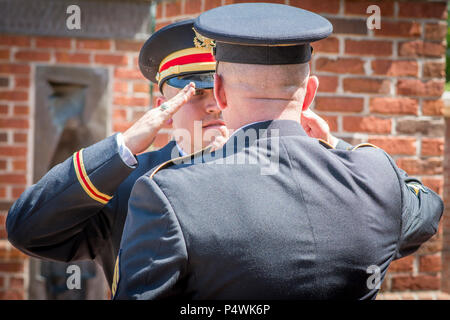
170	55
262	33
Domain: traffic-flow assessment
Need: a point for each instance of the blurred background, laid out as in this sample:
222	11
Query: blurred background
65	84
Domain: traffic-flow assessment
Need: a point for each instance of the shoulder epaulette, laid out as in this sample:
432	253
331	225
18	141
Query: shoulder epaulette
364	145
325	144
179	160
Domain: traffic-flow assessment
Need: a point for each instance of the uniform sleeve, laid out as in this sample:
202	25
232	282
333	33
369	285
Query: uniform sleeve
422	210
58	217
153	254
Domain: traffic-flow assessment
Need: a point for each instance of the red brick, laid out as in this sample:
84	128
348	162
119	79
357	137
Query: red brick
411	87
2	193
14	41
420	282
20	137
402	265
13	151
128	45
13	95
13	68
430	263
19	165
435	184
403	29
13	178
327	83
141	87
3	164
395	68
12	295
210	4
21	110
332	122
427	10
394	106
22	82
367	124
327	45
434	69
16	283
339	104
94	44
32	55
4	54
340	65
173	8
130	74
114	59
66	57
121	86
192	6
131	101
368	47
360	7
3	137
329	6
48	42
432	147
120	114
419	48
395	145
14	123
433	107
413	166
435	31
11	267
366	85
4	109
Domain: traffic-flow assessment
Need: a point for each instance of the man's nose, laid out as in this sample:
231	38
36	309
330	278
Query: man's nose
212	107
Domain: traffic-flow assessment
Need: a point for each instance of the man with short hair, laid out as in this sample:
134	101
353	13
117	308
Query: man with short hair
314	227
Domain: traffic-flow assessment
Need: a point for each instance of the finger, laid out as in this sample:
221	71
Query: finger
173	105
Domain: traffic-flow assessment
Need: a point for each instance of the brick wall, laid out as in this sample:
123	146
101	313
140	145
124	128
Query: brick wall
381	86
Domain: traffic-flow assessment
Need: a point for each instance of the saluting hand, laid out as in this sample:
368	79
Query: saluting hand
142	133
316	127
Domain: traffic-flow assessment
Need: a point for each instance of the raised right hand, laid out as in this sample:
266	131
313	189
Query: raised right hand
142	133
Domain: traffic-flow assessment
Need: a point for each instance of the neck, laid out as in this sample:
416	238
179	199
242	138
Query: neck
254	115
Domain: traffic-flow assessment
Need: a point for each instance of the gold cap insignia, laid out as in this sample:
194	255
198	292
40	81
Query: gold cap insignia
203	42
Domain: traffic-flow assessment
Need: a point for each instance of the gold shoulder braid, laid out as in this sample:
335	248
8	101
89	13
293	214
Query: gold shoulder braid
363	145
179	160
203	42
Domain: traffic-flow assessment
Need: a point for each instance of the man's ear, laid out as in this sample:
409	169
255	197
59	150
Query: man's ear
311	89
219	92
159	101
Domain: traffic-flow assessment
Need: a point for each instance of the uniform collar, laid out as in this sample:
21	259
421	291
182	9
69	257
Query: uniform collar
248	134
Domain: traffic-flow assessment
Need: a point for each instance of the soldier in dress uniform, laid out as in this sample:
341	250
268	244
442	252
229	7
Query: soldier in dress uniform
77	210
316	227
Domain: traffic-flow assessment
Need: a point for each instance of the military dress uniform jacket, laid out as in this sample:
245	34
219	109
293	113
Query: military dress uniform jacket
78	209
316	227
